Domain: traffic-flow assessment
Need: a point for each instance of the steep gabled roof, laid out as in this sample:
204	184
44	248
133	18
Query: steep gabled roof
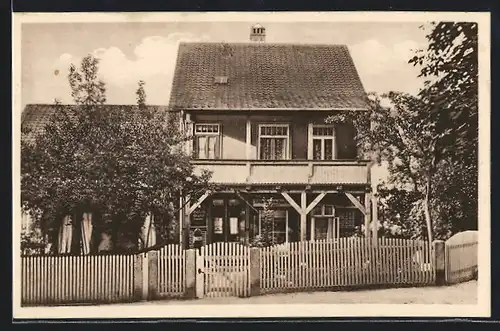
35	116
265	76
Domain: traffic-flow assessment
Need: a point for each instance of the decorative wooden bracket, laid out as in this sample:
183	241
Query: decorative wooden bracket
315	202
307	209
355	202
292	202
198	203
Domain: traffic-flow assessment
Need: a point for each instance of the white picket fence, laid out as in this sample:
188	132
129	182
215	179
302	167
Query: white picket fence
225	268
461	253
345	262
77	279
231	269
171	271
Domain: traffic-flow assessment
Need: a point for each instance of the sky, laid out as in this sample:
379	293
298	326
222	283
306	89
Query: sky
130	52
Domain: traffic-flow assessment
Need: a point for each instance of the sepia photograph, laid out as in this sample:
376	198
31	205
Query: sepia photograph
251	165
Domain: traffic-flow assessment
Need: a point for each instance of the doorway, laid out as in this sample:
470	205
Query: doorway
227	220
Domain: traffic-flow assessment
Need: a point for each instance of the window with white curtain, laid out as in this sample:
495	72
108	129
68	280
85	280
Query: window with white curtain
273	141
323	140
207	141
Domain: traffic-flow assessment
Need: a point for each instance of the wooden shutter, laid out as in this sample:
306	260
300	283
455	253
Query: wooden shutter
345	141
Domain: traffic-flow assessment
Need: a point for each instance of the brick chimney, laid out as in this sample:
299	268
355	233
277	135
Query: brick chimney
258	33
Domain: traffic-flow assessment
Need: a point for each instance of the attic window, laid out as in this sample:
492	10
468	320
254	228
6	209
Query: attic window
220	79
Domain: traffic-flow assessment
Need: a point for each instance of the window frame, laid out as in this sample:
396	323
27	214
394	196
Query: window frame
322	208
288	144
287	239
333	227
331	137
207	134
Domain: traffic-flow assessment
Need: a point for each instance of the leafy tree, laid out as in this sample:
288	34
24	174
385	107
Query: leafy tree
32	243
266	237
118	163
403	136
430	140
450	64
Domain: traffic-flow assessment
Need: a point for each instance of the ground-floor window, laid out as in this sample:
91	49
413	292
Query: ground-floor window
326	228
279	228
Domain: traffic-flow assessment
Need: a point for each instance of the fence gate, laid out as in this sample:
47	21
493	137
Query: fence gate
223	270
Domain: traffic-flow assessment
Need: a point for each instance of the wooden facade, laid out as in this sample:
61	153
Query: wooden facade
311	169
256	112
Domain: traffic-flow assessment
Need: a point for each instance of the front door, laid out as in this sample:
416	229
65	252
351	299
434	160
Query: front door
226	219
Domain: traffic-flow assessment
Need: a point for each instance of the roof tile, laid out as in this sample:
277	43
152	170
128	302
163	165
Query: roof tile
35	116
263	76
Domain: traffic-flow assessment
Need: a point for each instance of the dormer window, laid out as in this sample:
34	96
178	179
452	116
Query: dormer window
220	79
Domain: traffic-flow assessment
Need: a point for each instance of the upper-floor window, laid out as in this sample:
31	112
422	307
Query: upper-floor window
323	141
273	141
207	141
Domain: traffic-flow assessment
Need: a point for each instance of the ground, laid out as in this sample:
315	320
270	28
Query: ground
464	293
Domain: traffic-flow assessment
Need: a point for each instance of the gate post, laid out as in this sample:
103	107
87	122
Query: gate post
152	275
254	271
199	273
138	277
190	273
439	261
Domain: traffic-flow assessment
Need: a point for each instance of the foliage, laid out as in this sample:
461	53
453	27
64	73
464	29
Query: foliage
450	63
32	243
108	161
266	237
430	140
360	121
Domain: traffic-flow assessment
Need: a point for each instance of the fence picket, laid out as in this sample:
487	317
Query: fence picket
305	265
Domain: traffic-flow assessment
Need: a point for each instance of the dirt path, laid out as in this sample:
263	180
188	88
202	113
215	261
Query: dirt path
465	293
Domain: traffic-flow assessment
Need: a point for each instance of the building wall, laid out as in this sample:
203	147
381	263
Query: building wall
234	134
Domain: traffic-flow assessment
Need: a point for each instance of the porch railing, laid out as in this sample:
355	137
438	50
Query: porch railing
286	171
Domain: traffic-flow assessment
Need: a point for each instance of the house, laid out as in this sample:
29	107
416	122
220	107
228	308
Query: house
256	112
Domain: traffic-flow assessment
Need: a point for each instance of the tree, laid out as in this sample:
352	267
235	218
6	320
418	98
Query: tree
450	64
403	135
107	160
266	237
430	140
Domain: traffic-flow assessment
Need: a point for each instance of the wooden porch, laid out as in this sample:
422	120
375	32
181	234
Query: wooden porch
232	213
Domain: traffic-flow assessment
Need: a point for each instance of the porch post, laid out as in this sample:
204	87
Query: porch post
185	211
368	215
303	216
247	224
375	217
181	220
